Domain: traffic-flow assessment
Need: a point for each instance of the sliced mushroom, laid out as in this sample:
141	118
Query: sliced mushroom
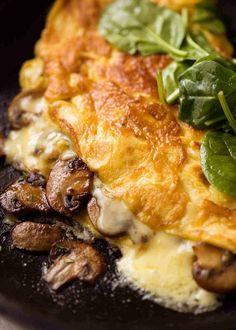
98	223
78	260
215	268
70	181
25	108
22	197
35	236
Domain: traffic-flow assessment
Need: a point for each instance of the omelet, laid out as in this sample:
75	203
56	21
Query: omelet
107	103
105	106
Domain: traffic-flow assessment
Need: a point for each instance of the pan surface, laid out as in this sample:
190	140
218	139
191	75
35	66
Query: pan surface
23	296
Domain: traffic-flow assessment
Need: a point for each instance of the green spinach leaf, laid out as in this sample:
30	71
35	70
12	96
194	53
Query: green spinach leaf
199	87
171	74
227	111
207	15
218	159
197	46
142	26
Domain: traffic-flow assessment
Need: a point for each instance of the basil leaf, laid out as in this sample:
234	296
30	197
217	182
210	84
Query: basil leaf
171	74
142	26
207	15
218	159
199	86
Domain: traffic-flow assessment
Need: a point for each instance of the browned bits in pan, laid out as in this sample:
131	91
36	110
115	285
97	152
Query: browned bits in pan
22	109
215	268
35	236
23	197
70	181
76	260
36	179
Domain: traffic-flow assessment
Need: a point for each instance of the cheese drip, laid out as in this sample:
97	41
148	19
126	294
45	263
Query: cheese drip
160	264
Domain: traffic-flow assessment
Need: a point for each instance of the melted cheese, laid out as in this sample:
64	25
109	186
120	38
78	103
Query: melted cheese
162	268
159	265
36	148
115	217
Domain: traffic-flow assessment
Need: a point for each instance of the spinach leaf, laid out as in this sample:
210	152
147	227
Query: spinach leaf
227	111
142	26
170	76
218	159
216	57
193	48
199	87
207	15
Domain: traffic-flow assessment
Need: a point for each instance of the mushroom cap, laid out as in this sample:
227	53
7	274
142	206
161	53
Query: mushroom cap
215	269
35	236
22	197
69	183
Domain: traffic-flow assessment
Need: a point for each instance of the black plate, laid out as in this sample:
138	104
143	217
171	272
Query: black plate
23	296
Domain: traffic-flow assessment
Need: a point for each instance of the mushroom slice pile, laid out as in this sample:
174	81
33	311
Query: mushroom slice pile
78	260
24	197
25	108
70	181
35	236
215	268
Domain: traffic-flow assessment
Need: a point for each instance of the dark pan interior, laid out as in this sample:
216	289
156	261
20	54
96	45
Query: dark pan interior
23	296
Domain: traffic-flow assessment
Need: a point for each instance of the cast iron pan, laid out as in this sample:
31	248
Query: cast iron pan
23	296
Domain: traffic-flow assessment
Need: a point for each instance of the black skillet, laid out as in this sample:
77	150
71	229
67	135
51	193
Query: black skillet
23	296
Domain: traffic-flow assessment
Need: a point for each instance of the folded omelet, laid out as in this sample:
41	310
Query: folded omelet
107	103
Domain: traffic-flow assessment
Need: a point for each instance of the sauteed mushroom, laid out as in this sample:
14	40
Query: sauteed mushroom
77	260
25	108
70	181
22	197
96	217
35	236
215	268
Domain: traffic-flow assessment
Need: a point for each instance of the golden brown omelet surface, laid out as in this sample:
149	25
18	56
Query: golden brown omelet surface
107	102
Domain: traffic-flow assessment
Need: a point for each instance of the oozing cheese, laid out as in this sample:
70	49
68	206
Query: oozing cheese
115	217
37	146
163	268
161	264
